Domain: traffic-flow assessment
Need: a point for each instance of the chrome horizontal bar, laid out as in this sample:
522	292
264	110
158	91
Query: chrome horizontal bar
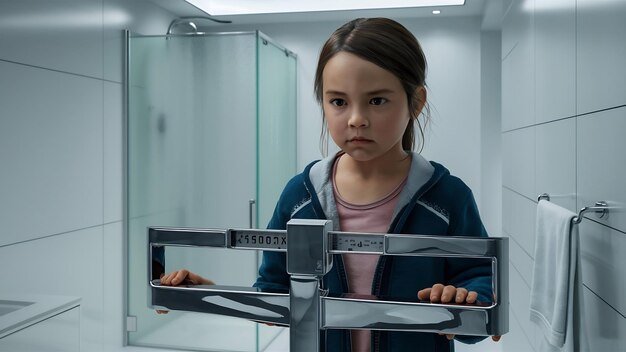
241	302
443	246
374	313
180	236
384	244
336	312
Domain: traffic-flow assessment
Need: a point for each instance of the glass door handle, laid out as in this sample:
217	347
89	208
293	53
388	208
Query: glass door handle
251	204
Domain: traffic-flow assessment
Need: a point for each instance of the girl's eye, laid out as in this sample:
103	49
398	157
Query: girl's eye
338	102
378	101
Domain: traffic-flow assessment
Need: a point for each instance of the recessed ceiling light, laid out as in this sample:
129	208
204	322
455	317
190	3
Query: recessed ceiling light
436	12
248	7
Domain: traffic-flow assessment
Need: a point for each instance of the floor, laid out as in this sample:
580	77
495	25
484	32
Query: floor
281	344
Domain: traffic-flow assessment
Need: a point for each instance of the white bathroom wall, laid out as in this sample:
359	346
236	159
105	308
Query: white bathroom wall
61	137
61	128
563	117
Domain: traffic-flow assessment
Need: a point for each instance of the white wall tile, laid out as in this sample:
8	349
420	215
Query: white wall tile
515	22
519	159
64	35
555	60
454	126
601	53
491	141
601	164
113	289
556	162
523	216
51	152
113	153
70	264
518	67
606	329
521	260
507	212
604	264
520	304
515	340
137	16
507	159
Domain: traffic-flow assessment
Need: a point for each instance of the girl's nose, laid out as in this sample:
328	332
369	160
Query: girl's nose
358	119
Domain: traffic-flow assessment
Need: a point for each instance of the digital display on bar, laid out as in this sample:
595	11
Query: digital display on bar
369	243
259	239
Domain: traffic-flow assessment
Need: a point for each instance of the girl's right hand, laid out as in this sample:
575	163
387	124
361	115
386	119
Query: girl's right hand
185	277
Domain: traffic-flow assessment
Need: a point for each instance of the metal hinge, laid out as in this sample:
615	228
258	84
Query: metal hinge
131	323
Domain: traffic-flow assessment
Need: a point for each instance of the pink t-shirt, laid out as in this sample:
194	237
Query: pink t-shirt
360	268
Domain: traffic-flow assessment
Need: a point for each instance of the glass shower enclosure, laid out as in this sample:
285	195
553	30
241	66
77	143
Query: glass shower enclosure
211	142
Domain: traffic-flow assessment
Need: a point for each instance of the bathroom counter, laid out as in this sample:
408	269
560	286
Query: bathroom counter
20	311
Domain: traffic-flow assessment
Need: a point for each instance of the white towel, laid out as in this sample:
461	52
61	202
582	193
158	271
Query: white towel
556	302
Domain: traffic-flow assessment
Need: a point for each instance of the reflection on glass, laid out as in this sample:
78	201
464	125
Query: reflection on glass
210	127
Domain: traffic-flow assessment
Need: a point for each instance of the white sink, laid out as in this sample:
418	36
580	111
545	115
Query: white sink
7	307
19	311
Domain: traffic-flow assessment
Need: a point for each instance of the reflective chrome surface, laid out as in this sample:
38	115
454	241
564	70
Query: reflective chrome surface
375	313
307	310
441	246
307	249
305	333
172	236
241	302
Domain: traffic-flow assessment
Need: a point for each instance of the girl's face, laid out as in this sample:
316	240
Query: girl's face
365	107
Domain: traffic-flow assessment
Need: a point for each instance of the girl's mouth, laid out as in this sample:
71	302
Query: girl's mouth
360	140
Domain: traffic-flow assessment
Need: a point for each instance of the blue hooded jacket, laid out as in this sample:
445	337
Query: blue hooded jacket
433	202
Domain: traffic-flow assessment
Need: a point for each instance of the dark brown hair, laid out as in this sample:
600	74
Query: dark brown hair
388	44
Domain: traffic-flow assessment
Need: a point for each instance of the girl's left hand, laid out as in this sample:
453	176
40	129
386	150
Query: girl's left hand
449	294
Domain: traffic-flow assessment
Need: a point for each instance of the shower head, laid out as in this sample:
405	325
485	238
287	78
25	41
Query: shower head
188	21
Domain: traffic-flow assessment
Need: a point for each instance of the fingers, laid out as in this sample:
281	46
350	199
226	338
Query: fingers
472	296
184	276
196	279
174	278
447	294
436	292
464	296
424	294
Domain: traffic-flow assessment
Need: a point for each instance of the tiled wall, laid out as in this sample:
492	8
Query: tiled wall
563	121
61	153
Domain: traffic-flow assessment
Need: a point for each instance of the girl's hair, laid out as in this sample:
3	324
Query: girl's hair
390	45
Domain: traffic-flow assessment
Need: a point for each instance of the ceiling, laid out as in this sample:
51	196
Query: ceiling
489	10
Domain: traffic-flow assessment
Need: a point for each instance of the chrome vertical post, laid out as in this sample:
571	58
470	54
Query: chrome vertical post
307	262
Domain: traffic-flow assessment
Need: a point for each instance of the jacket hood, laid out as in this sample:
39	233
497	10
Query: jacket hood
422	176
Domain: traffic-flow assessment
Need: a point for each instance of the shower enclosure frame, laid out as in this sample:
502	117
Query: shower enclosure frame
253	215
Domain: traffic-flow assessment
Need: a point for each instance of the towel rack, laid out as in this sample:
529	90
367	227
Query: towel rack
601	208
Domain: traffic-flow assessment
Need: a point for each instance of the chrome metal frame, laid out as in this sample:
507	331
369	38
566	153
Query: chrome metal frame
309	310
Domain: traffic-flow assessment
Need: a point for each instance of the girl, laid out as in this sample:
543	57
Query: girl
370	82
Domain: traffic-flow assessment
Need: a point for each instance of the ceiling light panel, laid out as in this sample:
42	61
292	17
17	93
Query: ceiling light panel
249	7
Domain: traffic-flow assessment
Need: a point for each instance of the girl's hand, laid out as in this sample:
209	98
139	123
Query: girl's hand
449	294
185	277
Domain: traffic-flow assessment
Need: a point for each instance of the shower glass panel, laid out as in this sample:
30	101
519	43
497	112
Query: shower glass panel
211	126
277	125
